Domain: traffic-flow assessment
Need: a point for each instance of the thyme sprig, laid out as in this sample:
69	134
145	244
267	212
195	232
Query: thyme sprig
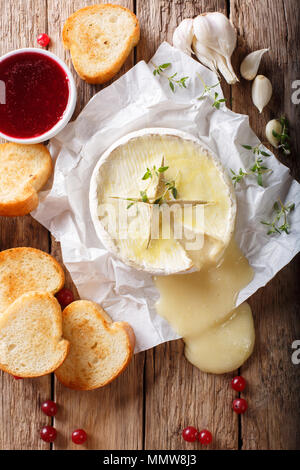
149	173
208	91
258	169
283	138
280	223
173	79
169	186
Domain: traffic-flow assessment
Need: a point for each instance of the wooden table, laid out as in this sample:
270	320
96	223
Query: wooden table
160	393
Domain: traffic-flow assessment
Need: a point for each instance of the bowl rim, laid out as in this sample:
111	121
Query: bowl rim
68	112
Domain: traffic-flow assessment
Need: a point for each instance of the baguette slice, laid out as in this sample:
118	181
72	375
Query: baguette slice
31	343
99	349
100	38
24	169
27	269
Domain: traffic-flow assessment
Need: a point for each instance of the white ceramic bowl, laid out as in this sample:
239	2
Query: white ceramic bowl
70	106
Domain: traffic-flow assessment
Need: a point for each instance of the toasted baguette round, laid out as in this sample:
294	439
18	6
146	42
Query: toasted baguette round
100	350
31	343
100	38
27	269
24	169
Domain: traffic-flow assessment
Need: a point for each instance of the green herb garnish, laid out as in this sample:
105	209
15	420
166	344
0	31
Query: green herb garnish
283	138
258	169
208	91
280	223
173	79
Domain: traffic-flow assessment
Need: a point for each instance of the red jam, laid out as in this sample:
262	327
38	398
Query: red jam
37	93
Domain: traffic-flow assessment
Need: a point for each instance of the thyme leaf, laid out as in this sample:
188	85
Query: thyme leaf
173	79
208	91
283	138
280	223
258	169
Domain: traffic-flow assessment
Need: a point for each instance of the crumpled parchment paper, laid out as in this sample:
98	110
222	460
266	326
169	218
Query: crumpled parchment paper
138	100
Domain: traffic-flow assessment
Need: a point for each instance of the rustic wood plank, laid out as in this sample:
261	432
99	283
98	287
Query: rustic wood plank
20	414
178	394
113	416
273	393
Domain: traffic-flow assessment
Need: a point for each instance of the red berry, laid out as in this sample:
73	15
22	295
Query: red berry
239	405
48	433
49	408
238	383
190	434
17	378
65	297
205	437
79	436
43	39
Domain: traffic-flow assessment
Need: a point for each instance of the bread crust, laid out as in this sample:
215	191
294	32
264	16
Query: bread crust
109	326
27	200
16	253
62	344
108	74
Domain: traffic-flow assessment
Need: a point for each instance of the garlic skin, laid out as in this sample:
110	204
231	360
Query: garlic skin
250	64
261	92
205	55
215	32
183	36
273	125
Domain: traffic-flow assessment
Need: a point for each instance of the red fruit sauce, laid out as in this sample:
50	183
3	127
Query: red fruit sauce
37	92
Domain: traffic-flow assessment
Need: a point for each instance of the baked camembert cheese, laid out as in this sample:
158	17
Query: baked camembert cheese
161	202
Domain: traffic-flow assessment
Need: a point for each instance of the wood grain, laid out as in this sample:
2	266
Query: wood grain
273	420
20	414
112	416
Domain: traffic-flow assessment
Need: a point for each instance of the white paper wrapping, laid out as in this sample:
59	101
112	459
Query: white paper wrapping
138	100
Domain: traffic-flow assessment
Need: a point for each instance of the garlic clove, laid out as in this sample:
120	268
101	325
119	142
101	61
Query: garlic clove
226	70
183	36
261	92
250	64
273	125
205	55
215	32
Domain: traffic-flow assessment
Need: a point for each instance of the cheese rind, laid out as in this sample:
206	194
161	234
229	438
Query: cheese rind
117	182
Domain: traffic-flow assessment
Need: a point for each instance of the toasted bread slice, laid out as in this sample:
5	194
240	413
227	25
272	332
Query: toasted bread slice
24	169
99	349
31	342
27	269
100	38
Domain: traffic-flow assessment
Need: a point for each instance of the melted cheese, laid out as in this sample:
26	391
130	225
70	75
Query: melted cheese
199	179
200	307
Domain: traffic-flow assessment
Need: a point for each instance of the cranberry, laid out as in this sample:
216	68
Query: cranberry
43	39
48	433
65	297
190	434
17	378
49	408
239	405
238	383
205	437
79	436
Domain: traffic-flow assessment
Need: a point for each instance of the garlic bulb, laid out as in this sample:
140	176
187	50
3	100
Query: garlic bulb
276	126
205	55
215	32
183	36
261	92
250	64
